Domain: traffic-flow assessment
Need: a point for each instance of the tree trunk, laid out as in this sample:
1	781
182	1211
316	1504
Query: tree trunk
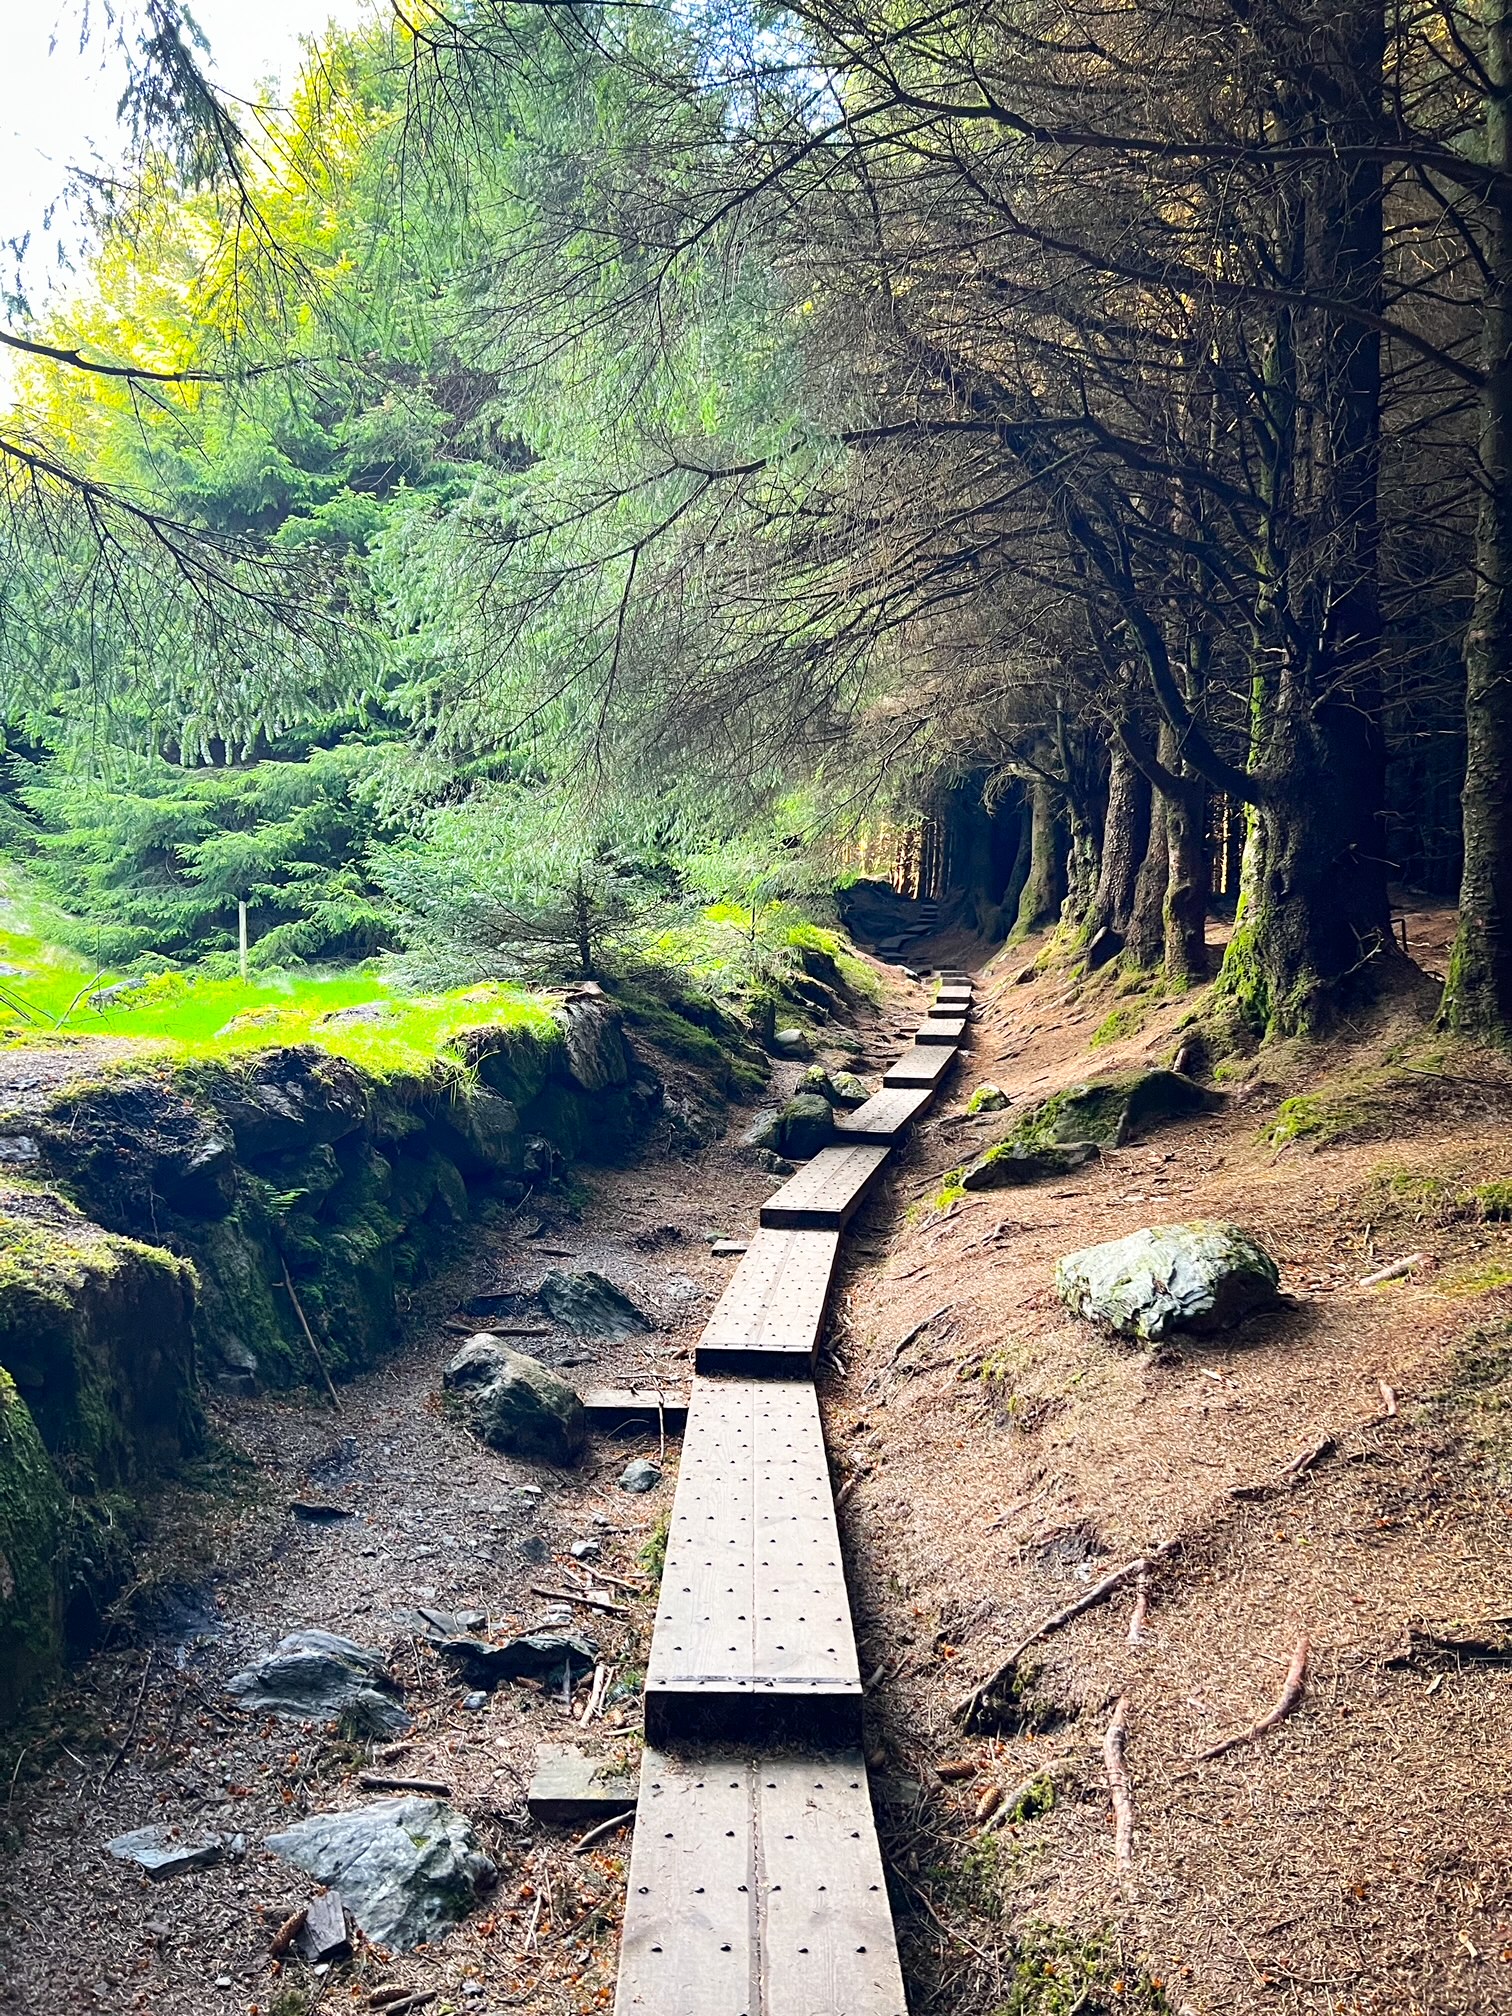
1145	938
1126	835
1043	891
1018	874
1081	870
1478	993
1184	912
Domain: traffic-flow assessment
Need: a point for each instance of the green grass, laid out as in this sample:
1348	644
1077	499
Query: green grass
196	1014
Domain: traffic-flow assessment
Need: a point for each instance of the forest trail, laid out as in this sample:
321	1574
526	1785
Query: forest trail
987	1472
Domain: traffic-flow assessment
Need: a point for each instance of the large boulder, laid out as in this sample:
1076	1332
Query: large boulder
590	1305
316	1676
290	1099
1011	1162
593	1041
516	1404
808	1124
1200	1276
407	1869
479	1132
765	1130
1110	1111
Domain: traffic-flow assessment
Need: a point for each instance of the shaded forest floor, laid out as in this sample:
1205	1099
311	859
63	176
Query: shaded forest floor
989	1470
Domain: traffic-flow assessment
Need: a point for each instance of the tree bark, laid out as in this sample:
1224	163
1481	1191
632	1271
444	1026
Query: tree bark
1045	888
1126	835
1144	942
1184	912
1478	992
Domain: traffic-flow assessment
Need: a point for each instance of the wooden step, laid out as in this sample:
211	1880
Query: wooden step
569	1786
938	1029
756	1889
828	1189
885	1115
613	1407
769	1318
924	1064
753	1639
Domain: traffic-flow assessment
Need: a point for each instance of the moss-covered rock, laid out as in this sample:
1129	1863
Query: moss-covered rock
1201	1276
1012	1162
1112	1110
33	1515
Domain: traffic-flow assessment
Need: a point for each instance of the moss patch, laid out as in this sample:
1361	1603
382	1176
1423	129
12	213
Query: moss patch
1057	1971
1110	1110
33	1516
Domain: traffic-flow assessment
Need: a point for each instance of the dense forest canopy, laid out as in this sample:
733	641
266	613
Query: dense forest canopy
585	461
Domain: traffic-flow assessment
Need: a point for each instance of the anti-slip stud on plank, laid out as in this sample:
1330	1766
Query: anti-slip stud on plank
770	1315
753	1638
827	1190
924	1064
885	1115
610	1408
756	1889
935	1030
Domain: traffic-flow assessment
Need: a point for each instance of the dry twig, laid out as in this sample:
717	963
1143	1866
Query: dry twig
604	1827
304	1325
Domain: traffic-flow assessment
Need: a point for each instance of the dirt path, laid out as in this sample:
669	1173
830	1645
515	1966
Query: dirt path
435	1519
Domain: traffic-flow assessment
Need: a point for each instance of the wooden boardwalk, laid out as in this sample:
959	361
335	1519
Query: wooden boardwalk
756	1885
769	1317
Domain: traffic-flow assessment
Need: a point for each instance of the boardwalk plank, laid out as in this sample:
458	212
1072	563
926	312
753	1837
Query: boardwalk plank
753	1634
886	1114
771	1314
828	1189
940	1030
755	1889
924	1064
610	1408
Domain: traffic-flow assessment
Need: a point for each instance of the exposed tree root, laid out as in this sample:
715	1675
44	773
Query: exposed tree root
969	1708
1290	1698
1118	1786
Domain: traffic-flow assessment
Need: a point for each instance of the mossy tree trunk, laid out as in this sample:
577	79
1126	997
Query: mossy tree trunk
1184	910
1045	887
1478	993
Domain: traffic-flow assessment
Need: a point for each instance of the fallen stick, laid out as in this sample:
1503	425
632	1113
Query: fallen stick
1396	1270
911	1336
586	1841
580	1596
131	1729
310	1338
1098	1593
1290	1698
380	1781
1118	1785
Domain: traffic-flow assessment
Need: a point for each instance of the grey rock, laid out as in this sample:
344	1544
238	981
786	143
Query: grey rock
323	1936
475	1702
18	1148
516	1404
1012	1162
407	1869
533	1548
315	1676
114	996
808	1124
639	1475
292	1098
365	1014
480	1133
1200	1276
594	1041
1113	1109
848	1089
987	1098
168	1851
590	1306
586	1550
765	1130
793	1041
774	1165
535	1655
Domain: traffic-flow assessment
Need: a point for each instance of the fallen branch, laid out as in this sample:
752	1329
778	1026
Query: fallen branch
379	1781
1118	1785
972	1705
131	1728
1290	1698
310	1338
912	1336
1396	1270
605	1827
